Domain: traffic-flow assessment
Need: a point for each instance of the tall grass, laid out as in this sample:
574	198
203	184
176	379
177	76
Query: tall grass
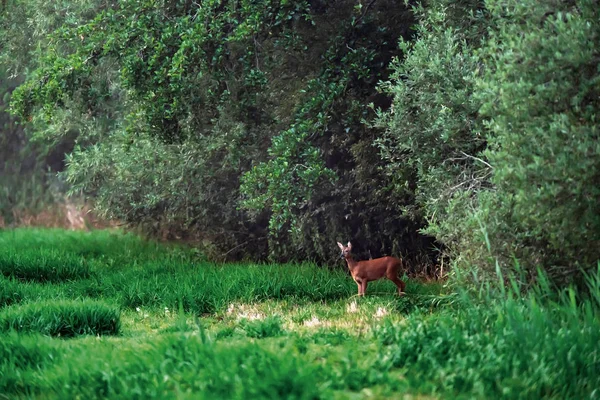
43	265
485	344
206	289
511	347
20	357
110	245
201	288
23	191
174	366
135	273
514	349
62	318
268	327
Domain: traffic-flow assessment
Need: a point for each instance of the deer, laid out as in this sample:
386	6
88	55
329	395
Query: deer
366	271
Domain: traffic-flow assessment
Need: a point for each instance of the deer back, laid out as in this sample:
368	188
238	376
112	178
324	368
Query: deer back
377	268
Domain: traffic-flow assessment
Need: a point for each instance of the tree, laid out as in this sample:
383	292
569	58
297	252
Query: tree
177	101
431	142
540	97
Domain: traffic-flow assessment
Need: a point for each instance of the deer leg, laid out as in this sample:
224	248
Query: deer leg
362	286
398	282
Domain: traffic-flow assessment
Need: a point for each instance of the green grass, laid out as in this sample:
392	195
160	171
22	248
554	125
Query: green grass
43	265
62	318
262	328
112	246
511	350
150	321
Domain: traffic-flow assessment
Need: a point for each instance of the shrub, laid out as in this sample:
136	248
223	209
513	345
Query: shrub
540	97
431	139
62	318
261	141
494	132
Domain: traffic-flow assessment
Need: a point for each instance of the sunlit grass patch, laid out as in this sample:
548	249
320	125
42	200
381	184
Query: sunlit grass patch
252	319
309	316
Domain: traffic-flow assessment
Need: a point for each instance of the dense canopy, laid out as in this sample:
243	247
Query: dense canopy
441	130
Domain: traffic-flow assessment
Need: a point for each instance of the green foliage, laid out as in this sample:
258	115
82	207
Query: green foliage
241	127
27	167
26	23
191	89
295	167
24	184
539	96
321	175
62	318
190	187
432	137
218	122
493	133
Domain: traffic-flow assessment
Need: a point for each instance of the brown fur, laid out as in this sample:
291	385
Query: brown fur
364	272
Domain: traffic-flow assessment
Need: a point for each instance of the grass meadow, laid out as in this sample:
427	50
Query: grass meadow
104	314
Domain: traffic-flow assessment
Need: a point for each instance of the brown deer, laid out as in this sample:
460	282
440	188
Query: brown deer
364	272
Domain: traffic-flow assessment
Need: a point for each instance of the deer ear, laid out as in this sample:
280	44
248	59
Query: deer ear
349	245
340	245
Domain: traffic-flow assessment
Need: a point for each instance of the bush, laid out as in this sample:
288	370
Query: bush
431	139
62	318
540	97
501	156
261	140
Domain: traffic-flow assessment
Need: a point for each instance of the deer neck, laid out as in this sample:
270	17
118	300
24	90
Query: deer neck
351	263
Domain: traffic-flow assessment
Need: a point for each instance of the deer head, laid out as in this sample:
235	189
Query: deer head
345	249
